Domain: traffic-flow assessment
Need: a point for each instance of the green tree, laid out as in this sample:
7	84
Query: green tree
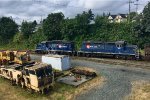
27	28
37	37
18	37
132	15
52	25
69	29
142	28
146	19
34	23
8	28
85	18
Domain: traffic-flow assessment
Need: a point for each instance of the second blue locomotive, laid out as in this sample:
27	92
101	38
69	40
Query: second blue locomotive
112	49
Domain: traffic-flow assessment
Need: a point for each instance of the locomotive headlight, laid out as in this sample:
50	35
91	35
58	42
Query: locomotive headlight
88	46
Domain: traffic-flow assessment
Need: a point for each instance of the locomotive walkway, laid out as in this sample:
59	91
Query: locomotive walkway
118	80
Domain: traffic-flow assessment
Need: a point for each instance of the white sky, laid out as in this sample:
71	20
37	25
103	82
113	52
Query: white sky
35	9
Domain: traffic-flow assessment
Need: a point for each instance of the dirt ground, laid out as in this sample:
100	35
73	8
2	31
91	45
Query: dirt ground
128	63
140	91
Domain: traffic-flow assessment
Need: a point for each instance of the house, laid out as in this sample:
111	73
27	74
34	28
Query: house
111	18
117	18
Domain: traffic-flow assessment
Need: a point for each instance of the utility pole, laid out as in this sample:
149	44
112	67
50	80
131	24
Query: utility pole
129	9
137	5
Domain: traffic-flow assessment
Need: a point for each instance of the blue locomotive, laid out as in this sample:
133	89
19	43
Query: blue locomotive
90	48
42	47
114	49
56	46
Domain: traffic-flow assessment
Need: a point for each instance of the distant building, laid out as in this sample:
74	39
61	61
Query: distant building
117	18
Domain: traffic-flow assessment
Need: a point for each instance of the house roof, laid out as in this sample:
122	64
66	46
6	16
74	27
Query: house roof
123	15
113	16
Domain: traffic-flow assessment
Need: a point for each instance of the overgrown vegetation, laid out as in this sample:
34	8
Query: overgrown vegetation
140	91
83	27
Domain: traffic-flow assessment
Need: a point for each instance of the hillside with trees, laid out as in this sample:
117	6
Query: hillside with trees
85	26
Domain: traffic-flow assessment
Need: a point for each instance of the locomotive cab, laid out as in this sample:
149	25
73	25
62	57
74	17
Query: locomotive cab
121	45
42	47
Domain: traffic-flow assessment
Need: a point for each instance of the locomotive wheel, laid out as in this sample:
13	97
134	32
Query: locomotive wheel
124	57
116	56
78	54
87	55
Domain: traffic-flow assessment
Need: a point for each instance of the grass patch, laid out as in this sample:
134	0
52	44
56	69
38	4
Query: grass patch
8	92
146	88
140	91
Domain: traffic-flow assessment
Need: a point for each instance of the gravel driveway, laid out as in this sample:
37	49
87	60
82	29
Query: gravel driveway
118	80
118	83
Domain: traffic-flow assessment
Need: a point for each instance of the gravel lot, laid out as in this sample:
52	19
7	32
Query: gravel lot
118	80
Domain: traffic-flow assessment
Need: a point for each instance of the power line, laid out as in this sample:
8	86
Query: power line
137	5
129	9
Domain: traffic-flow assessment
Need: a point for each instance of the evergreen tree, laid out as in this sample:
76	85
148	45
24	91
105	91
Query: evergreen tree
8	28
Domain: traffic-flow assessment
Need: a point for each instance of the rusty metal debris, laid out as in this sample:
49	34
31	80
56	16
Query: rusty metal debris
76	77
57	74
84	72
17	67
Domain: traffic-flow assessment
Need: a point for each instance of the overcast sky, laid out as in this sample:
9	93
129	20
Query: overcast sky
36	9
